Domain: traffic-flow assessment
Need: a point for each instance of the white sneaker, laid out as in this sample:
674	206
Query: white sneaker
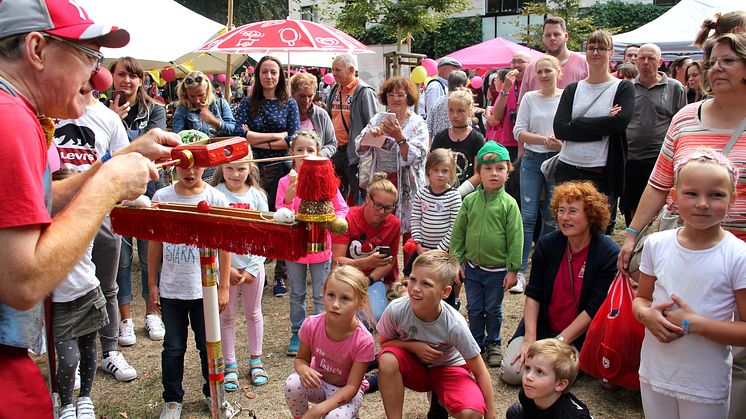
127	332
154	326
67	412
116	365
84	406
76	386
171	411
520	286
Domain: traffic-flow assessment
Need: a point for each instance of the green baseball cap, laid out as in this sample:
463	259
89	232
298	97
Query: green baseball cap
496	151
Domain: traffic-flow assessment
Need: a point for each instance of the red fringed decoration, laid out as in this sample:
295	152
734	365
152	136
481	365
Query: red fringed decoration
231	229
317	180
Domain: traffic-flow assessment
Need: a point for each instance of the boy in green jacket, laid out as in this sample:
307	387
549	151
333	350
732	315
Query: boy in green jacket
487	239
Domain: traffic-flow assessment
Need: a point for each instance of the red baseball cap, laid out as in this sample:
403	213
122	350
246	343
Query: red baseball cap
64	18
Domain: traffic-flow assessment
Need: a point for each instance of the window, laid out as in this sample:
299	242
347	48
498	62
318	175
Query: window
665	2
507	7
309	13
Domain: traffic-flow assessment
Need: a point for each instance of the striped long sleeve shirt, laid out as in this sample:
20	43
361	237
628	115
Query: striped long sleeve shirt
433	216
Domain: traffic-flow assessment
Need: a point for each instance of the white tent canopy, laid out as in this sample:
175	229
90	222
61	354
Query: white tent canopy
162	33
675	30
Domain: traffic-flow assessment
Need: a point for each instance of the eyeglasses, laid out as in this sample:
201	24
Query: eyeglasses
380	206
396	95
594	50
572	212
724	62
518	62
99	57
189	80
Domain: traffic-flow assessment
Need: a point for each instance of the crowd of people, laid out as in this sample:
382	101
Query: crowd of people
519	195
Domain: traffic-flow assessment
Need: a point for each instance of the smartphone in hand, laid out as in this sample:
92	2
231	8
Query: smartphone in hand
119	96
384	250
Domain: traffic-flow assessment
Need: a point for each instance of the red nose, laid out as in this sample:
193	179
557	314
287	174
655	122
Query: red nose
101	80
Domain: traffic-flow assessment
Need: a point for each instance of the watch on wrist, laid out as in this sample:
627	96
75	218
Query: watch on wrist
504	94
560	338
371	279
402	141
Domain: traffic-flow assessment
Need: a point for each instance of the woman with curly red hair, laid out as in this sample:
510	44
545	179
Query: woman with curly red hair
571	270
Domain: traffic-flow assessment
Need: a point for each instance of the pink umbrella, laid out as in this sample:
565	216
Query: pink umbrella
285	36
495	53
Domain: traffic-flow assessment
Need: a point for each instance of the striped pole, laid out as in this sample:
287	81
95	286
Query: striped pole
215	369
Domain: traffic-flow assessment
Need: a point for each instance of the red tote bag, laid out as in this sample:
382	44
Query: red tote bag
612	345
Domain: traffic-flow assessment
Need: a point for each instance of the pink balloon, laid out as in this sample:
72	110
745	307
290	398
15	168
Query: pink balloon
221	78
168	74
250	69
233	82
430	66
328	78
211	77
476	82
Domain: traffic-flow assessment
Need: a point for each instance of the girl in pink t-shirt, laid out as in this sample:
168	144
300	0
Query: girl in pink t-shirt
304	143
334	352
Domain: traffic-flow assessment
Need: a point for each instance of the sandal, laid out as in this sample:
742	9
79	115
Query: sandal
257	372
230	382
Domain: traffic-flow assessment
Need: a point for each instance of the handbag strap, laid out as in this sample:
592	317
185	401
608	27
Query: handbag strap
736	135
596	99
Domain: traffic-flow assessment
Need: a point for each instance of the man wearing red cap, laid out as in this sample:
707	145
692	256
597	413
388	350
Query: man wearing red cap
49	61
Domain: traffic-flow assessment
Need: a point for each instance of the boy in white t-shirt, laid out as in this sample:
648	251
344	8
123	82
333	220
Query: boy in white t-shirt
426	345
179	293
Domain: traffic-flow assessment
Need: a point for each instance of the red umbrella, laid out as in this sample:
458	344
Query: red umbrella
285	36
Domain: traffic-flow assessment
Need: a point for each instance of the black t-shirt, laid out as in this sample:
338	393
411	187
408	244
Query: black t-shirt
131	115
465	151
566	407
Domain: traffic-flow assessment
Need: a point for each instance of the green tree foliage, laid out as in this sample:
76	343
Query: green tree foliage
619	17
398	18
453	34
243	11
578	26
614	16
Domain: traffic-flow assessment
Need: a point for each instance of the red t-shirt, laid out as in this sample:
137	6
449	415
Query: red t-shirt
562	310
23	153
363	240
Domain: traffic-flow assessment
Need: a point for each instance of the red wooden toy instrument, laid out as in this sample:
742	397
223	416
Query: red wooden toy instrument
236	230
208	153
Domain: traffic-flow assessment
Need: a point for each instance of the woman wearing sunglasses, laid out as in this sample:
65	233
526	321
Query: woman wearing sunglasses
201	109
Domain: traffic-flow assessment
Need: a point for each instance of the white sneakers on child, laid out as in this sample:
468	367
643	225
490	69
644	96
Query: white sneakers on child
520	286
76	386
171	411
154	326
116	365
68	412
84	406
127	332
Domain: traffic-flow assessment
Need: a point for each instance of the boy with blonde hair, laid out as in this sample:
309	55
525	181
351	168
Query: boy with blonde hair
426	345
550	369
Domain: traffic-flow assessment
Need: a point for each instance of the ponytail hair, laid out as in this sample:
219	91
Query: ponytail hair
720	24
380	183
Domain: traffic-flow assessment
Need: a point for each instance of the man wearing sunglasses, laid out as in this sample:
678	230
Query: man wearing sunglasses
48	63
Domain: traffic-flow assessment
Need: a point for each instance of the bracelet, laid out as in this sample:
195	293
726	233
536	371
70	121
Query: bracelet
685	326
106	157
503	94
402	141
632	230
371	279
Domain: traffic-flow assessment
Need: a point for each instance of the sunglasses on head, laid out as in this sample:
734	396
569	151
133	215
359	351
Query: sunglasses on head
189	80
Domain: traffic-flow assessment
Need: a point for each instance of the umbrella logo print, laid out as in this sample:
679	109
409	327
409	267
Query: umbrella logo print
291	39
328	42
250	38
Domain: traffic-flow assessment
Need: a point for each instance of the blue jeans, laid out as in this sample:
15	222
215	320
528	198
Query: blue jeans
297	276
177	316
124	275
533	183
484	298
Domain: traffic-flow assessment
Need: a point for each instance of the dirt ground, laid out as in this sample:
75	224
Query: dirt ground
141	398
